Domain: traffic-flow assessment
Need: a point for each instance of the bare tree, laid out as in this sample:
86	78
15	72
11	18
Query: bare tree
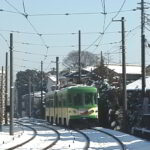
87	59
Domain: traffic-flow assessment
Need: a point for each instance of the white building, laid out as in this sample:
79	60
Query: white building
51	82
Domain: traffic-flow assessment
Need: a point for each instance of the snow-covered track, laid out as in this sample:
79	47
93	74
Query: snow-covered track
57	133
122	146
26	141
46	141
70	138
87	139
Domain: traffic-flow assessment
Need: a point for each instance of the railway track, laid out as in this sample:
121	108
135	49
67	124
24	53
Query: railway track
122	146
32	140
46	136
103	140
74	137
75	133
26	141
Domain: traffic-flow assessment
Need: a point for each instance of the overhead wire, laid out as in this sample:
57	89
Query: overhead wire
77	13
25	14
4	40
19	12
101	37
56	46
37	33
40	54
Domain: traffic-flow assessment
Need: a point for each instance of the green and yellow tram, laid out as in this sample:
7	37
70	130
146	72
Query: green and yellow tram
72	106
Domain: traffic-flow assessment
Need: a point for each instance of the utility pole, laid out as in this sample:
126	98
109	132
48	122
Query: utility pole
11	87
1	101
6	89
79	34
123	73
42	90
124	65
57	72
29	97
102	66
143	48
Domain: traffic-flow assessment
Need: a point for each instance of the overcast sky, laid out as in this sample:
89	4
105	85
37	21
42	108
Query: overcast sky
45	29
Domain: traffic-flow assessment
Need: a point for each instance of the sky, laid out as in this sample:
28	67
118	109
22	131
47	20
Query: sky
46	29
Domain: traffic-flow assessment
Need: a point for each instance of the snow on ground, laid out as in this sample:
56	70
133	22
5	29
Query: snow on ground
100	141
74	140
20	135
131	142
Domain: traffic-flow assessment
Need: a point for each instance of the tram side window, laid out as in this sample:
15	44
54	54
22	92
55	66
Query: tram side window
69	100
64	100
47	102
59	100
77	100
89	99
51	102
56	101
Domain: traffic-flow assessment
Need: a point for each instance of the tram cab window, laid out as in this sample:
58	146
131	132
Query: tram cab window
78	99
69	100
90	99
95	98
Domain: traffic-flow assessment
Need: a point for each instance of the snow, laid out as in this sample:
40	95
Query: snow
89	68
130	69
131	142
137	85
52	77
74	139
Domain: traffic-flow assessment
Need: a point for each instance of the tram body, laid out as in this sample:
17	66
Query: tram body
72	106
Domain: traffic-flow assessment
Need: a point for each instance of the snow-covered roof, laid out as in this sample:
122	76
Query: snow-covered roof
130	69
52	77
137	85
89	68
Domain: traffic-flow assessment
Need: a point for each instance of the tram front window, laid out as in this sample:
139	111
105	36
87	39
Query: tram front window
90	99
77	99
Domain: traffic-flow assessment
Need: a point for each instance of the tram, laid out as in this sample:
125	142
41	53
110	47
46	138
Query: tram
72	106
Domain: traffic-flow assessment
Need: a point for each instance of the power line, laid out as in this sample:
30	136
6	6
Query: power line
101	37
69	46
39	54
9	11
78	13
37	62
17	11
55	34
4	40
25	14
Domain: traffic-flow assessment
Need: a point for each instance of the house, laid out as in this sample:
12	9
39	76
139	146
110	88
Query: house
136	89
51	82
133	72
137	85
